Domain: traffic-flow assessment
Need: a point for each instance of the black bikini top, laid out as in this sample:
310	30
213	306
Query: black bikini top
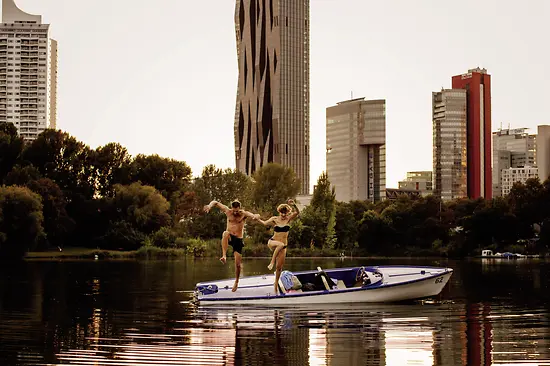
281	229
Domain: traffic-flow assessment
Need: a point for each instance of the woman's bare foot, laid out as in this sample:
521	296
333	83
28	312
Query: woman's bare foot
235	286
270	266
223	260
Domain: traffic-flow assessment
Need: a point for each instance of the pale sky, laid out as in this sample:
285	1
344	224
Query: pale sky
160	76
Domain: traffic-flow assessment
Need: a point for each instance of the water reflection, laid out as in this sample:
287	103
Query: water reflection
137	313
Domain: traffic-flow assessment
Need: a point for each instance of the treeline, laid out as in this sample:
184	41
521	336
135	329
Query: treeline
57	192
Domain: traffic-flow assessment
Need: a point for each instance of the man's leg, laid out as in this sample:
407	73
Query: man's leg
238	267
225	245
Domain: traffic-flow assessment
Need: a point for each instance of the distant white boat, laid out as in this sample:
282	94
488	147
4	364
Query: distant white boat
488	253
340	285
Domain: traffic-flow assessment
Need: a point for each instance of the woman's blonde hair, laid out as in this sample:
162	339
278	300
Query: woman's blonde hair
284	207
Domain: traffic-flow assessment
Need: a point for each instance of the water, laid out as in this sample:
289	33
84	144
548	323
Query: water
138	313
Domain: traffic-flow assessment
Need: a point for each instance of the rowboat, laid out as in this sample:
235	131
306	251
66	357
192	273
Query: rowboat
366	284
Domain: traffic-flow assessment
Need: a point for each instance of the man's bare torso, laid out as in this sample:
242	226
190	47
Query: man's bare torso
235	223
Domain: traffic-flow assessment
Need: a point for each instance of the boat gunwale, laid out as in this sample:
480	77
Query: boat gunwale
328	271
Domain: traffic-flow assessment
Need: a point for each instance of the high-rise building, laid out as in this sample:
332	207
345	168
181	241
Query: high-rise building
512	148
449	115
421	182
356	149
543	152
510	176
272	112
477	84
28	72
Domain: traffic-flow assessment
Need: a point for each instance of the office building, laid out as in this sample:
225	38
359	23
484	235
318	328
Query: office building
272	111
477	84
512	148
28	72
449	114
356	149
421	182
543	152
510	176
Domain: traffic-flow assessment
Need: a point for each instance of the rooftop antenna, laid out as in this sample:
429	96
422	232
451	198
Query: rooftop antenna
352	95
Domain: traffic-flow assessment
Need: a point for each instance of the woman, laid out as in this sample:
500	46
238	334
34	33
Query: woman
279	241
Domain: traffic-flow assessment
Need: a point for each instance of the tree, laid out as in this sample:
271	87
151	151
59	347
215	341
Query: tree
273	184
11	146
346	226
112	163
57	223
375	233
166	175
141	206
61	158
22	175
530	203
20	221
214	184
222	185
320	215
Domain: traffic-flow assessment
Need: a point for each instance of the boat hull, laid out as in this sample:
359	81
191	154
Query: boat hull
399	284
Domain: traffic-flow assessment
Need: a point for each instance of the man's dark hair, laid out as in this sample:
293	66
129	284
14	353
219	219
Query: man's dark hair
235	204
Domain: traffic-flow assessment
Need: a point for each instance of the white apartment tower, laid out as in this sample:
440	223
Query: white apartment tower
28	72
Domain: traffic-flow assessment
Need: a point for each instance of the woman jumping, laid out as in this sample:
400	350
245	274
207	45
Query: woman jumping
279	241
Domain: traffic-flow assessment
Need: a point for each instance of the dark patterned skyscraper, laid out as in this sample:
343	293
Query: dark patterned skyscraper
272	113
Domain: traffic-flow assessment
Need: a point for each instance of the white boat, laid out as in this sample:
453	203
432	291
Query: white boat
373	284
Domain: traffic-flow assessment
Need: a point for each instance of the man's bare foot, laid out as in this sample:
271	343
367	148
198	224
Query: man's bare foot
270	266
235	286
223	260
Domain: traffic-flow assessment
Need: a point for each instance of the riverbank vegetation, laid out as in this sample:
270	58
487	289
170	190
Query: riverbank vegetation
59	193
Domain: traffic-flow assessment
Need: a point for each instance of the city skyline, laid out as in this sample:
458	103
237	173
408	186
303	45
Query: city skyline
148	98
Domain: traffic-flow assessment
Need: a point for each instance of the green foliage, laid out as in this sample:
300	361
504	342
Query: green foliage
164	238
61	158
123	236
22	175
11	146
166	175
112	165
273	184
141	206
215	184
319	218
57	222
20	221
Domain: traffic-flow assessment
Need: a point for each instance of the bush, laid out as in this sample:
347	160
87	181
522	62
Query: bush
164	238
20	221
121	235
196	247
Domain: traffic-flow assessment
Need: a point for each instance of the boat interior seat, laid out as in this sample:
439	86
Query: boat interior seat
340	285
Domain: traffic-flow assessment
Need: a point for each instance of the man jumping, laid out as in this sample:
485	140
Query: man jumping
233	233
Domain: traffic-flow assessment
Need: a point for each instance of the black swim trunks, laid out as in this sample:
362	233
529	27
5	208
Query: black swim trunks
236	243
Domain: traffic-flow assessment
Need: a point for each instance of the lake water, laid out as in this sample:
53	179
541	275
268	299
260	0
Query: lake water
492	312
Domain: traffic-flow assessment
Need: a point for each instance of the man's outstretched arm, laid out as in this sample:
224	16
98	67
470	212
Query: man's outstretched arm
221	206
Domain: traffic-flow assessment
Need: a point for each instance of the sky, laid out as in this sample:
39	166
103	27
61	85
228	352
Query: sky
161	76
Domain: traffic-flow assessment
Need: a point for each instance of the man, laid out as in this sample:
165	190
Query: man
233	234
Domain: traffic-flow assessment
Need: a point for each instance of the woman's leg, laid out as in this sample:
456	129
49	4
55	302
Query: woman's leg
280	263
276	246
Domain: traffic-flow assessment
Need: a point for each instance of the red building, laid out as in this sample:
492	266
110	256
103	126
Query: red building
478	85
